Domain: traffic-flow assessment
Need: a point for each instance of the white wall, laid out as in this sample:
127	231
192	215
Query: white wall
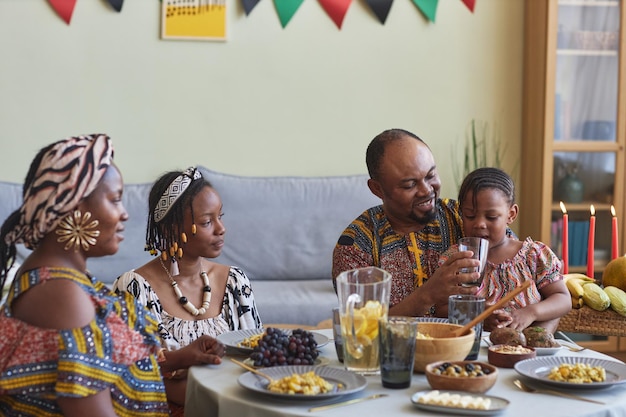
304	100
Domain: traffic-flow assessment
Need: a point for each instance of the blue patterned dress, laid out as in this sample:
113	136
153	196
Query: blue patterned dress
115	351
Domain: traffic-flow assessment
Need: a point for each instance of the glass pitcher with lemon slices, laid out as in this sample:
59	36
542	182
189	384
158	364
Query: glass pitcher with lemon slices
363	300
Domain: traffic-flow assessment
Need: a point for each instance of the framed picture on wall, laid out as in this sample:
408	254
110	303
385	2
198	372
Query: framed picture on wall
193	20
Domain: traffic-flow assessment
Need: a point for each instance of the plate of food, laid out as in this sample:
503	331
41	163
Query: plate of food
573	372
313	382
243	341
459	402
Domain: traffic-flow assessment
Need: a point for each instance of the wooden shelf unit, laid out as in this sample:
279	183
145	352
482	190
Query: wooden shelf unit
545	53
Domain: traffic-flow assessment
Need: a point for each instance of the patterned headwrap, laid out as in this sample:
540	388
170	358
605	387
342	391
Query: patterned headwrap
174	191
68	172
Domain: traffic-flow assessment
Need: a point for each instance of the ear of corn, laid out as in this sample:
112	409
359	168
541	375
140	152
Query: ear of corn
595	297
618	299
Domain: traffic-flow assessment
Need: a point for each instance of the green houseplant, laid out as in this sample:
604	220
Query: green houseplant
482	148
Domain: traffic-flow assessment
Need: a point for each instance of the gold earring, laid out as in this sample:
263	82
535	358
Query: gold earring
77	230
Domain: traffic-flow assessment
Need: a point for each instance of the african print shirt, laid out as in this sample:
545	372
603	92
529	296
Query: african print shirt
535	262
238	309
115	351
411	258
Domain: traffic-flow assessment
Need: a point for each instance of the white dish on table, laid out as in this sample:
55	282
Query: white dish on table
496	405
539	368
232	339
345	382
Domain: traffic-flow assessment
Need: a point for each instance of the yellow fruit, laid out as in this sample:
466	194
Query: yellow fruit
577	302
575	287
618	299
595	297
614	274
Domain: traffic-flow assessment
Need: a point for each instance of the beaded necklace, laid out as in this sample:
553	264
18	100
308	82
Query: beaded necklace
187	305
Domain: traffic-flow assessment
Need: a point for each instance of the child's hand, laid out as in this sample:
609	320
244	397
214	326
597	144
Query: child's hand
499	318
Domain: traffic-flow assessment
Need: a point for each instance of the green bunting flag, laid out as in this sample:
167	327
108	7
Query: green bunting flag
428	8
286	9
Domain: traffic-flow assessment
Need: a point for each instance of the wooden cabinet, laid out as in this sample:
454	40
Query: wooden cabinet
574	125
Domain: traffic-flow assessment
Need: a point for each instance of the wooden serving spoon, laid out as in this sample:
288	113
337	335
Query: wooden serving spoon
482	316
253	370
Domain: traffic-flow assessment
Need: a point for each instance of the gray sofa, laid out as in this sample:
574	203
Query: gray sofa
280	230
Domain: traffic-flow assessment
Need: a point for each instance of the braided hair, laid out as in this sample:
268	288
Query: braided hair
8	250
162	235
487	178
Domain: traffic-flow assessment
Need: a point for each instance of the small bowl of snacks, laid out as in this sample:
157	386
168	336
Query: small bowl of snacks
506	356
468	376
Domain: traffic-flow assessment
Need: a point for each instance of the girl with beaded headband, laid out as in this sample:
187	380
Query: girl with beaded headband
189	294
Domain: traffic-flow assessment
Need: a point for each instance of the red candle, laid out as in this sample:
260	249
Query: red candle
591	242
564	242
614	244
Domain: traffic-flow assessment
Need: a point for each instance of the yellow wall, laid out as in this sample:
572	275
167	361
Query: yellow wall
304	100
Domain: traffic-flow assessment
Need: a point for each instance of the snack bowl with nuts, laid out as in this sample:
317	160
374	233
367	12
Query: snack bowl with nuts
506	356
468	376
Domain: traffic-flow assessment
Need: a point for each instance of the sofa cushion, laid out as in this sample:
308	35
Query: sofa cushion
285	228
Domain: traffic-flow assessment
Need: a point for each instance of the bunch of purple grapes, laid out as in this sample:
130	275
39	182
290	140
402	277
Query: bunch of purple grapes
276	348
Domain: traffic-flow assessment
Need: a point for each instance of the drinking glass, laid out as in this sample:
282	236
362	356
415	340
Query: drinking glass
462	308
480	247
337	334
397	350
363	299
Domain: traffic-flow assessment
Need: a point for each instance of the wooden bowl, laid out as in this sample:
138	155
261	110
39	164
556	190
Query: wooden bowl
440	375
440	346
505	356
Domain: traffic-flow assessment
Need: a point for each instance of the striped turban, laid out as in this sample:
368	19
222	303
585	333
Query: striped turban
68	172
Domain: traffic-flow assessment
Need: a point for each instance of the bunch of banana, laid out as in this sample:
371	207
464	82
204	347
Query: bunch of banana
575	284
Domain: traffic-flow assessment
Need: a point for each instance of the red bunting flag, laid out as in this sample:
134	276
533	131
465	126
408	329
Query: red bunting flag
116	4
64	8
428	8
336	9
286	9
470	4
380	8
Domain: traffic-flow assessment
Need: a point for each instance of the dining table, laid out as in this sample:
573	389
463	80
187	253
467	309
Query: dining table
215	391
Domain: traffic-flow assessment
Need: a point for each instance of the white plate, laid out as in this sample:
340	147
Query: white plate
232	339
349	381
539	368
497	404
547	351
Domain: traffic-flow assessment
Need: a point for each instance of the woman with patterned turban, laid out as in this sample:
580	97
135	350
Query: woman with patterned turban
69	345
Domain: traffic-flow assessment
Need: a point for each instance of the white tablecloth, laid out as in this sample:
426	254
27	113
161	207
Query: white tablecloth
213	391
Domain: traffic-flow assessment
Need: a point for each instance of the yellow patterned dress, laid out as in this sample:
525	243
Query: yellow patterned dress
114	352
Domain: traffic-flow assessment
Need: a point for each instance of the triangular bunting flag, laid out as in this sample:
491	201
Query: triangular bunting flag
470	4
380	8
428	8
248	5
336	9
64	8
116	4
286	9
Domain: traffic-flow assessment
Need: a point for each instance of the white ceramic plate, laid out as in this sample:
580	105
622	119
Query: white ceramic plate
547	351
345	382
497	404
232	339
539	368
